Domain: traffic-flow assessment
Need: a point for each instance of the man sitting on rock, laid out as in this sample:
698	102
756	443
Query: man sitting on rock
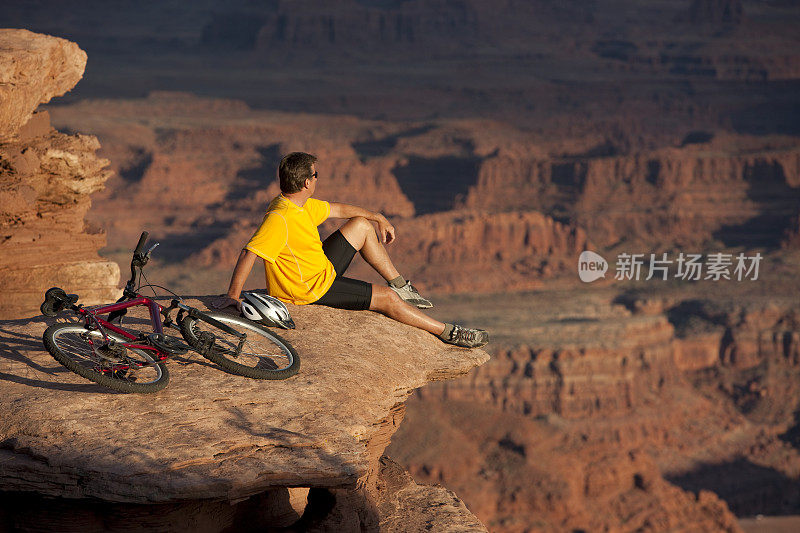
301	269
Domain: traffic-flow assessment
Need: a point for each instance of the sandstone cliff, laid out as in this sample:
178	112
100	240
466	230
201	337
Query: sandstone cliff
46	179
216	450
498	206
654	410
33	69
687	196
453	251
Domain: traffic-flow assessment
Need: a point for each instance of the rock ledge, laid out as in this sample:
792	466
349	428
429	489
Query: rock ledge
211	435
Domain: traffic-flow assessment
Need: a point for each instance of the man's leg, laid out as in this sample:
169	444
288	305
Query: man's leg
360	233
347	293
386	301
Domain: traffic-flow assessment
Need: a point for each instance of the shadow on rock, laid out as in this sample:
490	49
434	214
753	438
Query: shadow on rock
17	367
748	488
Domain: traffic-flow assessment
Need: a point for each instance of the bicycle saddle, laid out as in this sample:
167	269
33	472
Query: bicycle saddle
56	300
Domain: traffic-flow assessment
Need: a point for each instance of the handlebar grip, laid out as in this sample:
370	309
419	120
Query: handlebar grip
142	241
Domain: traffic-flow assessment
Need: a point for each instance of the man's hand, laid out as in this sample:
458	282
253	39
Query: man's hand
223	300
385	230
243	267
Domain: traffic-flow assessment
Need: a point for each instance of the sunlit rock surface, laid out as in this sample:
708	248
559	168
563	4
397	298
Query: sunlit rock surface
213	436
46	179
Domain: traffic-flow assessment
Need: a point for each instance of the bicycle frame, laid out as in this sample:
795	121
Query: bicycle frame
109	342
156	309
155	317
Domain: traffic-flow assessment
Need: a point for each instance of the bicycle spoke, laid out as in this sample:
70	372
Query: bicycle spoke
257	352
135	366
263	354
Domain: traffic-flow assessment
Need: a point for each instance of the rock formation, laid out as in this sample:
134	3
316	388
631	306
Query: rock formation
448	58
681	197
205	188
216	450
47	178
481	252
33	69
635	127
447	252
626	397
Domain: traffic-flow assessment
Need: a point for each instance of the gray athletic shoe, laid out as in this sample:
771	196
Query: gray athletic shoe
411	295
468	338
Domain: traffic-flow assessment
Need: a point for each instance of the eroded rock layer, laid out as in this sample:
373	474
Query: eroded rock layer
451	251
203	187
33	69
672	197
503	206
46	179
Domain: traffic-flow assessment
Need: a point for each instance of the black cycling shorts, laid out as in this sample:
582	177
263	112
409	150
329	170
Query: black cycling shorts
345	293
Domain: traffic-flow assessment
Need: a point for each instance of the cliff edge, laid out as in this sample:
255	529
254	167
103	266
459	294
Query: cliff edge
212	440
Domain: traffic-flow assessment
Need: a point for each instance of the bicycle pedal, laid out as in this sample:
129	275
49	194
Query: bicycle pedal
122	374
167	343
206	341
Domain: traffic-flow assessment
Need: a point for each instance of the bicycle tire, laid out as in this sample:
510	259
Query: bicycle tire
258	357
67	344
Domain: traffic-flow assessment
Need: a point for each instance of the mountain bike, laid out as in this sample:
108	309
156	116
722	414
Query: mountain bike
101	350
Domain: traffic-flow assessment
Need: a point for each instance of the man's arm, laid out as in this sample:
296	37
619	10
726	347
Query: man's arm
243	267
385	230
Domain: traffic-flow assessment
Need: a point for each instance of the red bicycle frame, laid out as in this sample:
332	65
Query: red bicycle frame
155	318
156	342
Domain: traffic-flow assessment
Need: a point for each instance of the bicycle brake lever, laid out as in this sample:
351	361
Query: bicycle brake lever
147	253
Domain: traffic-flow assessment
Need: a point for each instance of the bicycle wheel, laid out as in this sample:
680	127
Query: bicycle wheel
265	355
124	370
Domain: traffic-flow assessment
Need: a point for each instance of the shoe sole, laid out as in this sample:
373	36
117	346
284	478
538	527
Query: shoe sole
467	347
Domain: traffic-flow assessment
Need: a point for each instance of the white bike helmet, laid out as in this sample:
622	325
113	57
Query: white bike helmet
266	309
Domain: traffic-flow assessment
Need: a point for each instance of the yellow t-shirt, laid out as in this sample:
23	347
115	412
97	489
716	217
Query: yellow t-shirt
297	270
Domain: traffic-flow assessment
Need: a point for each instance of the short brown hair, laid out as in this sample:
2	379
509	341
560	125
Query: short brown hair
294	170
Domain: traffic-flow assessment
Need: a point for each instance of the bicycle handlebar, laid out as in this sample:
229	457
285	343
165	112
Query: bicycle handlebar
142	240
139	260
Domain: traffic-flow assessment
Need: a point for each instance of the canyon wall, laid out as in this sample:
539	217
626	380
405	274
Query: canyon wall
441	29
453	252
202	189
685	197
476	204
47	178
632	401
471	200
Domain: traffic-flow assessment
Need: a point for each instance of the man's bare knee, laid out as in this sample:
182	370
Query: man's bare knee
356	231
362	225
